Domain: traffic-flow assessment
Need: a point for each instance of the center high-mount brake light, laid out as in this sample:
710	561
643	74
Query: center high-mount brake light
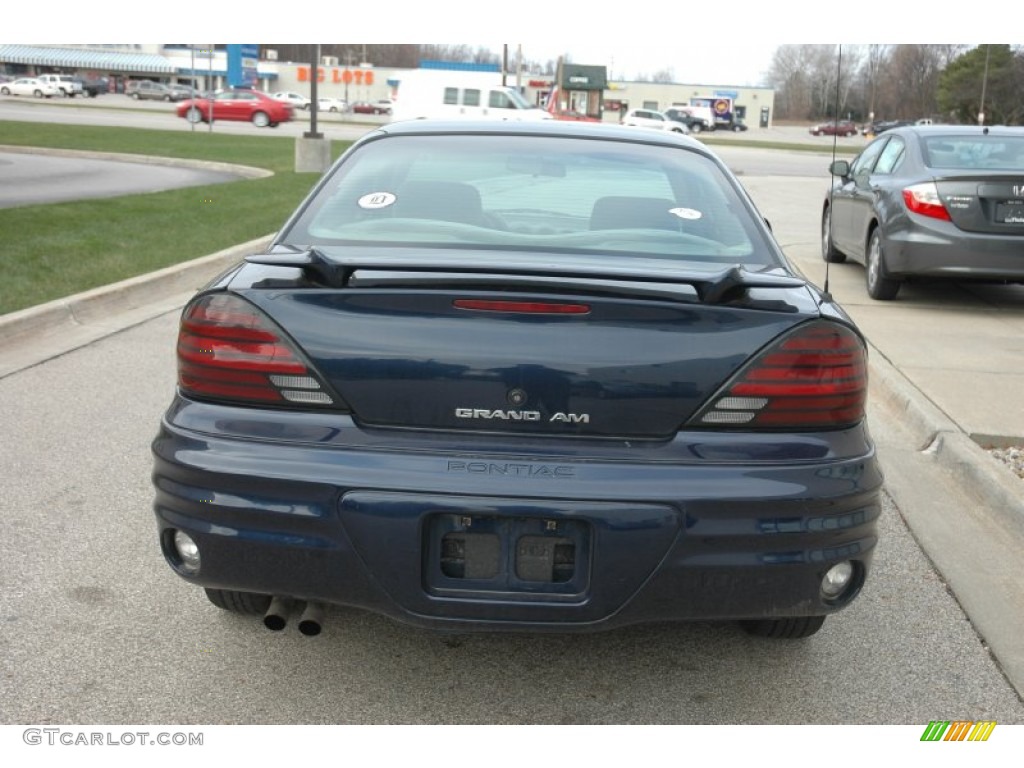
522	307
813	378
229	350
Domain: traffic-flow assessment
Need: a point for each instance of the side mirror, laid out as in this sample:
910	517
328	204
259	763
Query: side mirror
839	168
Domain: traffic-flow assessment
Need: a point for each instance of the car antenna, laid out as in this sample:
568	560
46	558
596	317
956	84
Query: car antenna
831	184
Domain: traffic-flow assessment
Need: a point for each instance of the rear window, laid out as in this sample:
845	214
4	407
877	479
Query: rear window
996	153
534	194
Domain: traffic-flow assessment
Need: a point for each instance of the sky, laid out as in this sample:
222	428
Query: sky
694	63
724	43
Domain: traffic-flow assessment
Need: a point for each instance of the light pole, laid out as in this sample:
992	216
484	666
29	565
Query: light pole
984	86
314	71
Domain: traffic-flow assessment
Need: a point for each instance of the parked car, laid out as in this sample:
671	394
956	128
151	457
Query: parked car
929	201
180	91
297	100
94	86
329	104
29	86
238	104
693	123
366	108
832	128
650	118
147	89
520	376
386	106
881	126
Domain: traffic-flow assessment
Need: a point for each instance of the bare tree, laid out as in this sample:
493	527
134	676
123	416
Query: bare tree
804	79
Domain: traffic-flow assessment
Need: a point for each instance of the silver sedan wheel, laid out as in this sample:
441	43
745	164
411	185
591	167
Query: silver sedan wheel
828	250
879	285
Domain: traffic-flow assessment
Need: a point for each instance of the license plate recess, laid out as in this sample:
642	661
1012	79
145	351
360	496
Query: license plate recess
497	554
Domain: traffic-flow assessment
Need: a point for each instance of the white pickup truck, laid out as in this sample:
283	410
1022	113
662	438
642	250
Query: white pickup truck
68	85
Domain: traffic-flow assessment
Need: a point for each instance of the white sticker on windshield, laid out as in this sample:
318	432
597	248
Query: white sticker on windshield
376	200
686	213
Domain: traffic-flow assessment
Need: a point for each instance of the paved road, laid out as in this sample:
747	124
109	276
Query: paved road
119	111
29	179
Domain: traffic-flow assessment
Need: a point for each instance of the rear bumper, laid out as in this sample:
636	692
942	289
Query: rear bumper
452	539
942	250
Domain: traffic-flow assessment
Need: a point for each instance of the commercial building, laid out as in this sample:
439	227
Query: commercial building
584	90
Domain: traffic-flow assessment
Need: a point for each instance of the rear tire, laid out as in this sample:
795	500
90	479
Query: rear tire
828	250
260	119
244	603
880	286
784	629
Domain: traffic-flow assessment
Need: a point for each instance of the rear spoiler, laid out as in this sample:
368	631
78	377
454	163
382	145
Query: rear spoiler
720	287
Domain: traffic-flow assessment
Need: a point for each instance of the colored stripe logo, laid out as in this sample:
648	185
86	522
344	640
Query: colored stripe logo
958	730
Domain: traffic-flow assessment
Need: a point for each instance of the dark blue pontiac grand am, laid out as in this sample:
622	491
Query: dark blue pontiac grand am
513	376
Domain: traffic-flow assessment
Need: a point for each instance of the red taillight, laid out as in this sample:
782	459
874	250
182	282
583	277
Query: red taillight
228	349
814	378
924	199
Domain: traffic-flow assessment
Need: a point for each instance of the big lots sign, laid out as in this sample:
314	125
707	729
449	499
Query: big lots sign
346	76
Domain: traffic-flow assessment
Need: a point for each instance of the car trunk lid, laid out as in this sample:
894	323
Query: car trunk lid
531	352
985	204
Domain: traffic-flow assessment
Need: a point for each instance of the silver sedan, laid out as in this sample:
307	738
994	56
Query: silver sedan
940	201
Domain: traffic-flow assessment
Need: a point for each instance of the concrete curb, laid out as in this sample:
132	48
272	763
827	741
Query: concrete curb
935	433
29	336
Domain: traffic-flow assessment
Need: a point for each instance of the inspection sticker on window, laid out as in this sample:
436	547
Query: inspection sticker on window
376	200
686	213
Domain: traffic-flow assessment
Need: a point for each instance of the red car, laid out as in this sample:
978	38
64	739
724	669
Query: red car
832	128
366	108
241	104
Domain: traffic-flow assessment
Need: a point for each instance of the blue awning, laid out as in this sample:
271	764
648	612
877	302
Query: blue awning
81	58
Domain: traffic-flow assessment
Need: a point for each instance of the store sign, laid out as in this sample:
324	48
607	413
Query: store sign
337	75
242	61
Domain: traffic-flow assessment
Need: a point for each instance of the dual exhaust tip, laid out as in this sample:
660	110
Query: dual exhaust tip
281	609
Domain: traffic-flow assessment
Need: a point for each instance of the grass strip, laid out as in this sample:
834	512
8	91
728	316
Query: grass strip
55	250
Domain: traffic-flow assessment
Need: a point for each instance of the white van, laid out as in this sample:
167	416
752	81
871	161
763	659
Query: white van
454	95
